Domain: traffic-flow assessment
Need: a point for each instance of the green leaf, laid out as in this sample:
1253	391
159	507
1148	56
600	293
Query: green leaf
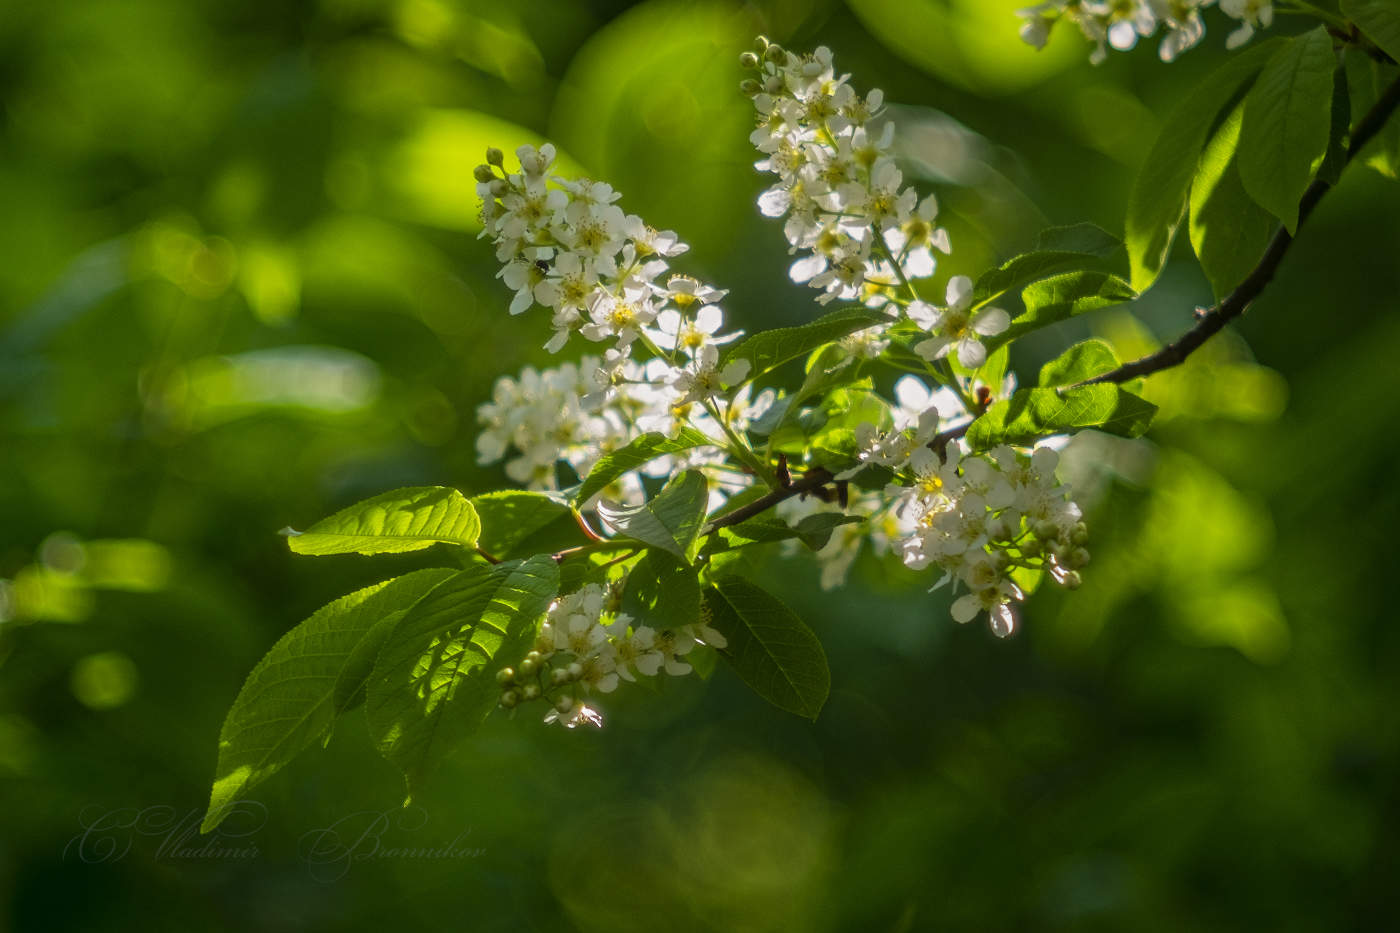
349	689
662	592
639	451
1031	414
391	523
767	349
1061	297
515	523
770	648
435	679
1058	249
1081	361
1086	238
1287	117
813	530
1379	20
671	520
1158	197
1228	230
1367	80
288	701
1336	159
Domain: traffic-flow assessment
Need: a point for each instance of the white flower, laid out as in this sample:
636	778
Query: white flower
702	378
574	714
690	336
955	327
993	600
1252	14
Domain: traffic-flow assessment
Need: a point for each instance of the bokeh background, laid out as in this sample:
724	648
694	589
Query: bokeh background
240	287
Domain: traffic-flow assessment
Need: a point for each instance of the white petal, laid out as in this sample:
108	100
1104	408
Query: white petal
807	267
911	393
959	291
933	348
709	319
990	321
923	314
971	354
965	608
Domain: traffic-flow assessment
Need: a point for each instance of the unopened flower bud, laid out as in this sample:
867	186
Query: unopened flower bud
528	666
748	60
774	53
564	704
1076	558
505	675
575	671
530	691
1045	530
495	156
534	656
750	87
1080	533
483	174
509	699
558	676
1072	580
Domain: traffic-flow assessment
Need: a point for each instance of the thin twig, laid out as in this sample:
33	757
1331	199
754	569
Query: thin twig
811	482
1235	304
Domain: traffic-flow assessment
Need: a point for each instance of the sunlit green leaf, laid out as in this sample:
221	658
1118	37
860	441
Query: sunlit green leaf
771	348
1287	116
402	520
662	592
1081	361
1031	414
1058	250
639	451
290	699
1229	231
435	679
516	523
769	647
1159	193
671	520
1061	297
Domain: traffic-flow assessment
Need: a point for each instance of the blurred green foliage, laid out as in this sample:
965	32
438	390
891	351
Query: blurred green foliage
240	289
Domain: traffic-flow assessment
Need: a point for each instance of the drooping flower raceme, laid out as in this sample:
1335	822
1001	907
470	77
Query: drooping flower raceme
864	237
1120	23
991	522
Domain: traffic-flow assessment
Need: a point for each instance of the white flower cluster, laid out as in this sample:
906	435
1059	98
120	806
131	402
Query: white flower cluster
980	518
566	245
838	186
865	236
586	645
576	413
1120	23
